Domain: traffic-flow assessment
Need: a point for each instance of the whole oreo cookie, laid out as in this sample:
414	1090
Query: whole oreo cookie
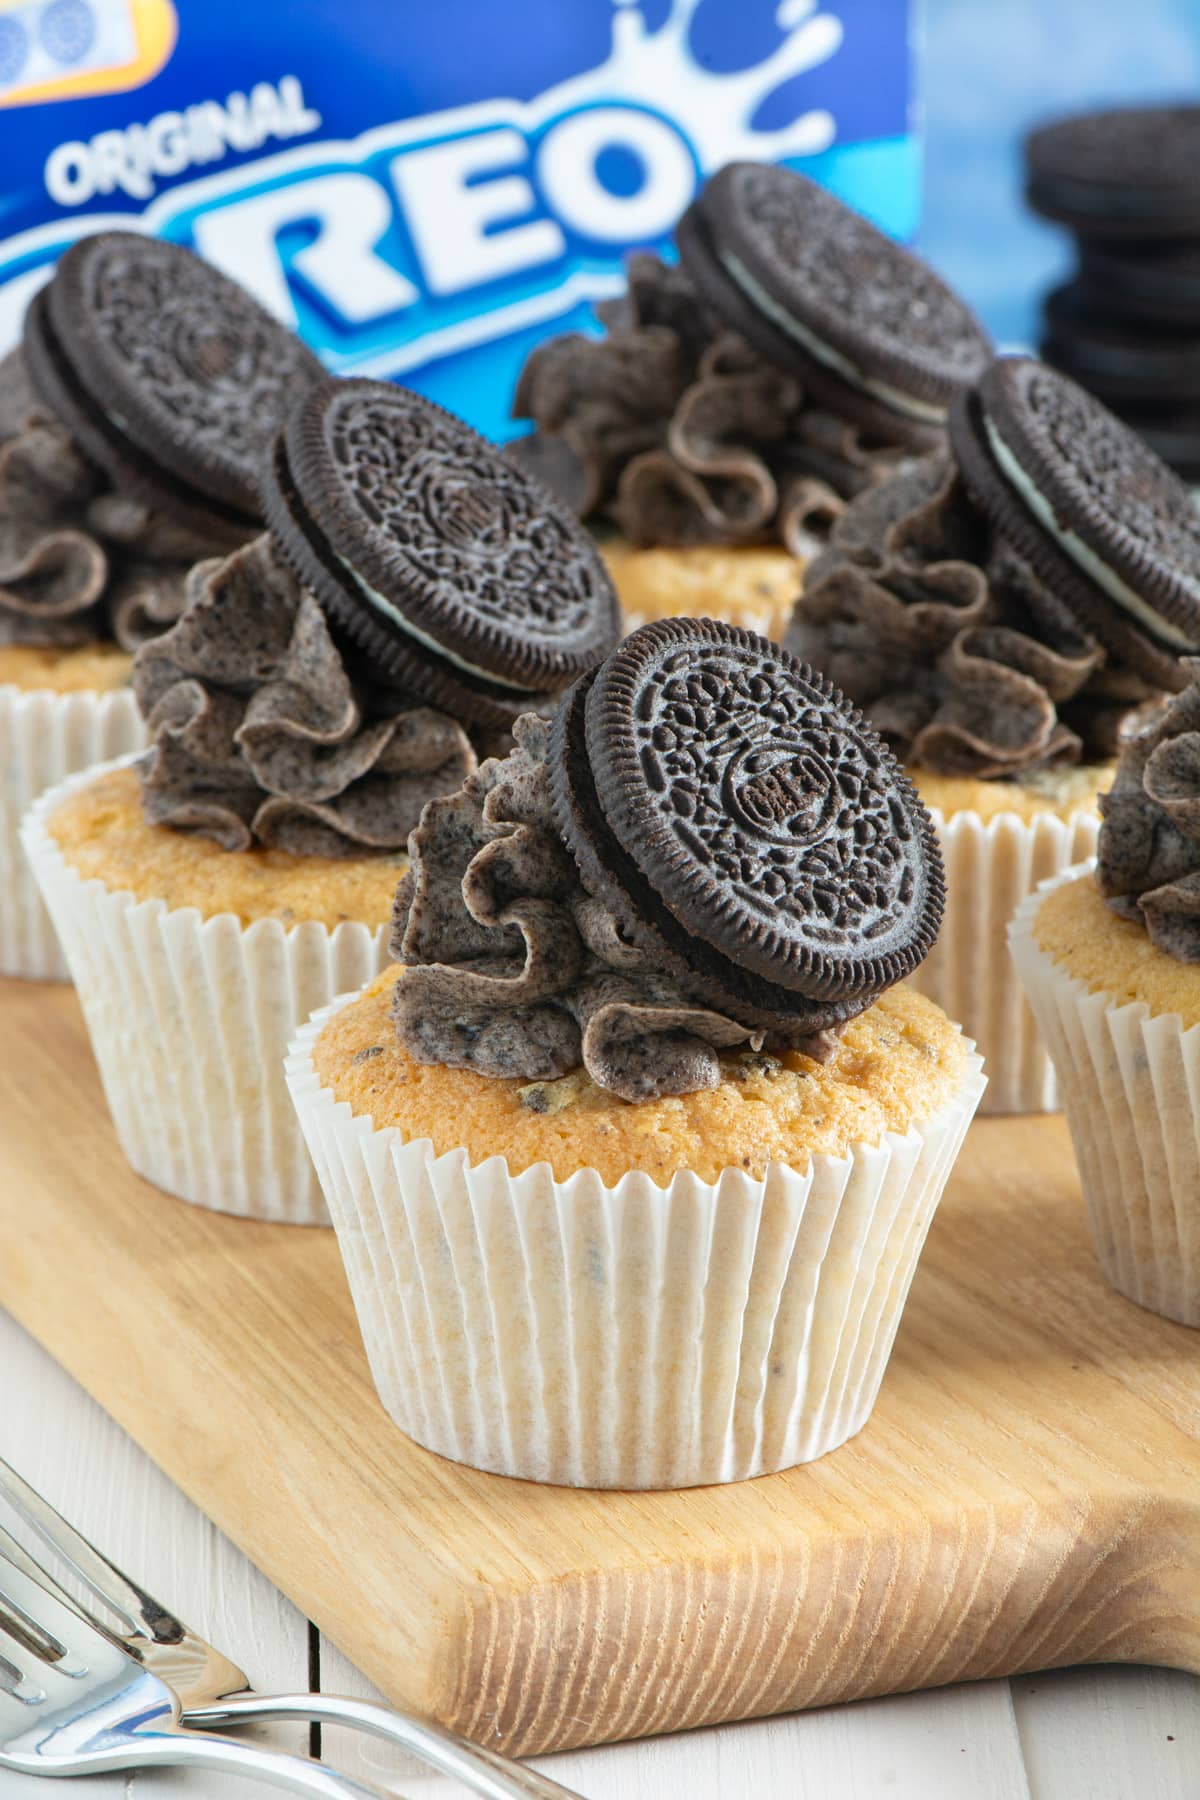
741	818
1120	362
816	287
169	375
465	578
1078	494
1124	173
1157	284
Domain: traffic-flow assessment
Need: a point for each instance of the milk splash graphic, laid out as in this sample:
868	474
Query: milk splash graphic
421	248
713	111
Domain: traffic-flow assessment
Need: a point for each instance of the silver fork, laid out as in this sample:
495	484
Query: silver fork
74	1702
214	1691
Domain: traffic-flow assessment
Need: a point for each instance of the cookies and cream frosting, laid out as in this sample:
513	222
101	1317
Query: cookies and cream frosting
79	560
1148	867
958	653
266	730
514	969
678	432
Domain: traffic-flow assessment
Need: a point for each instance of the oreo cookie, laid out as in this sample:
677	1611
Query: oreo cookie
818	289
744	821
1127	173
1155	284
1121	362
1092	509
462	577
169	376
1172	432
552	462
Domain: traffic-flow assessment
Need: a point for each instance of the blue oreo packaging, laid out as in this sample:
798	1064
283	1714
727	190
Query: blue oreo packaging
426	189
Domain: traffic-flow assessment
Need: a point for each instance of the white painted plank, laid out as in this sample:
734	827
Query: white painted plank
958	1743
1110	1733
72	1452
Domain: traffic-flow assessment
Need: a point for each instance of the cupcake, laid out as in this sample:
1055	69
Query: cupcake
324	682
145	387
1110	957
633	1153
739	399
997	610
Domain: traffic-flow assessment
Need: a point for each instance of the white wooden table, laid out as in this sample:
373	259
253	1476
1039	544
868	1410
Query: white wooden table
1088	1734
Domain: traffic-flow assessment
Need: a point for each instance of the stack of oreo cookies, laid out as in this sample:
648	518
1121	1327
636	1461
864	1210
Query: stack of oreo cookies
1127	325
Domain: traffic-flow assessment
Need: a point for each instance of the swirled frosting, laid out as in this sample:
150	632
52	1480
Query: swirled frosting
79	561
960	656
513	969
1148	868
264	729
675	429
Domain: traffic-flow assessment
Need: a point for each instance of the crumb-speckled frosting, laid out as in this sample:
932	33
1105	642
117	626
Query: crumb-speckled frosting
677	431
514	969
1149	857
79	561
265	731
961	657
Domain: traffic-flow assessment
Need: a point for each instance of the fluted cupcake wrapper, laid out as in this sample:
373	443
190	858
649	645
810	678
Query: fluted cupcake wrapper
1130	1083
190	1020
990	868
45	737
629	1336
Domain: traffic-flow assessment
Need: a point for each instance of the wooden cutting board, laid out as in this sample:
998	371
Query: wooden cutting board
1027	1492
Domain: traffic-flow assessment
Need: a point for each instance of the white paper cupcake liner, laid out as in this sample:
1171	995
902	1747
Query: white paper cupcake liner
990	868
1130	1082
628	1336
190	1020
45	737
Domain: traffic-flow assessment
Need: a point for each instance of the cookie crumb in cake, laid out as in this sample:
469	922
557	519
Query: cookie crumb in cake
751	1062
554	1096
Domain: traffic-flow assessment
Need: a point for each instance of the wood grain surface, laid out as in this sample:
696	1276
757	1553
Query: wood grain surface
1106	1732
1027	1493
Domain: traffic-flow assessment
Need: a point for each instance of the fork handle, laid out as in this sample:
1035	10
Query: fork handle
484	1772
191	1749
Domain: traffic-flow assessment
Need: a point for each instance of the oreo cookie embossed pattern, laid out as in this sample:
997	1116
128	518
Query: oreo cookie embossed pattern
465	579
708	847
171	376
998	611
816	287
789	361
132	423
406	562
1090	507
769	821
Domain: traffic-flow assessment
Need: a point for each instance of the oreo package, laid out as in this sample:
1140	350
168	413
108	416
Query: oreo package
426	191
